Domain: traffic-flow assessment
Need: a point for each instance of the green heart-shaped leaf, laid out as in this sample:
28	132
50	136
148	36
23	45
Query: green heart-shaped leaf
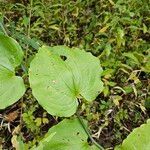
59	75
138	139
11	86
67	135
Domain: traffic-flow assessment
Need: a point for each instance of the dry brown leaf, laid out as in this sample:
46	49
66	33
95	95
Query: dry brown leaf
11	116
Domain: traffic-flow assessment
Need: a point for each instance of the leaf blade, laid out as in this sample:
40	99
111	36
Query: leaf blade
61	82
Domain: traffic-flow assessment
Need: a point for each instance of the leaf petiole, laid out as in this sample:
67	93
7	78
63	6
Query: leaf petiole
88	133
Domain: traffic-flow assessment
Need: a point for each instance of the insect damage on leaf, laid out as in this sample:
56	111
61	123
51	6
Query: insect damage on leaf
62	75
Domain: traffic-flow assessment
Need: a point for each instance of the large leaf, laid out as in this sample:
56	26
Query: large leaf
67	135
10	49
57	83
11	86
139	139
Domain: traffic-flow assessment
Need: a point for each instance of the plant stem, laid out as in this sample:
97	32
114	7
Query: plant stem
29	28
3	29
30	15
88	133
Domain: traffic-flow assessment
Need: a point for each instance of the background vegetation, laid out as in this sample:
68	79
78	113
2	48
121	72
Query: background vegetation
116	31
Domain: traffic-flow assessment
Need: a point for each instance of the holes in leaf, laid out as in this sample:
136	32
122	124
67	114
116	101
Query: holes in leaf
63	57
138	135
89	141
48	87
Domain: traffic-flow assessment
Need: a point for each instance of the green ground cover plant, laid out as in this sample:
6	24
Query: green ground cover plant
57	84
116	32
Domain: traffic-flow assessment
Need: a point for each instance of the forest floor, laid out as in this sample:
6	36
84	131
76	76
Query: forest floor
117	32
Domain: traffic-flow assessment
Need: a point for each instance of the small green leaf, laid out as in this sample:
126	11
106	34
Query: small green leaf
120	37
17	143
67	135
116	99
11	86
59	75
144	28
132	57
138	139
108	49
